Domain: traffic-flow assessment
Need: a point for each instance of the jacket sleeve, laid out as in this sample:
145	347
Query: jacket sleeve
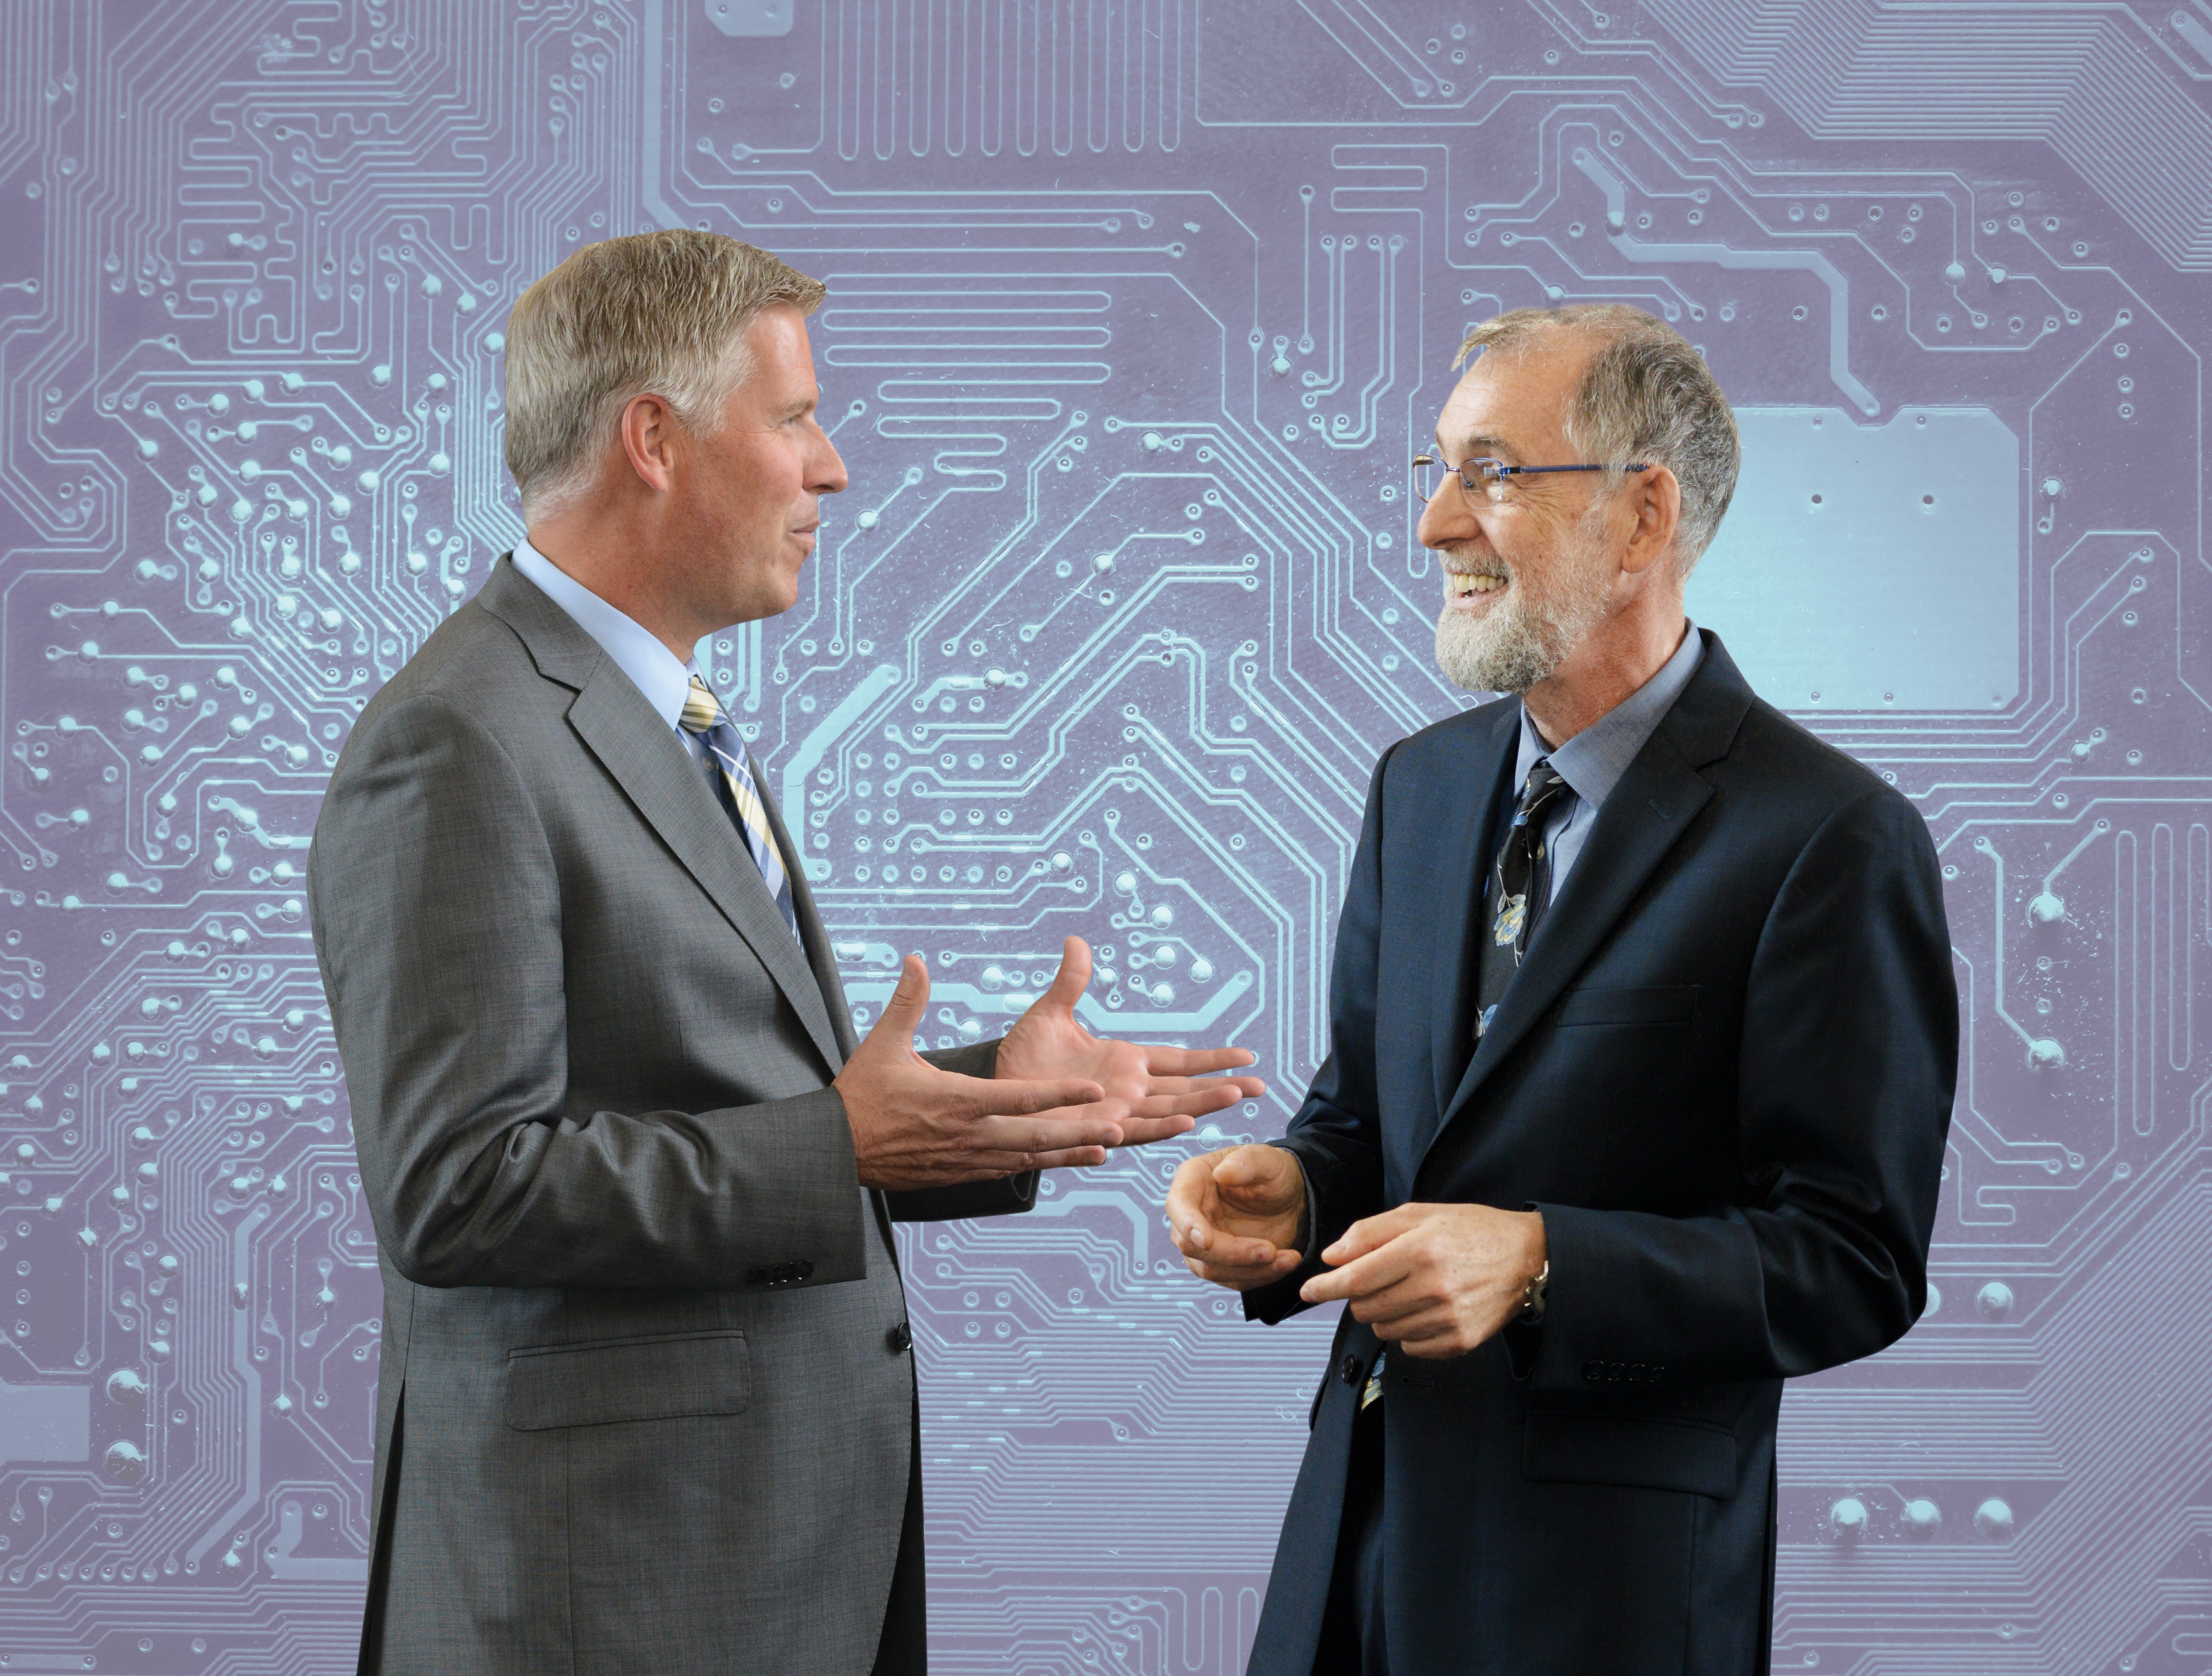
1337	1135
436	910
1845	1075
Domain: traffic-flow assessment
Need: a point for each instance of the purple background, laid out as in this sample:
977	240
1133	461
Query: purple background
1136	311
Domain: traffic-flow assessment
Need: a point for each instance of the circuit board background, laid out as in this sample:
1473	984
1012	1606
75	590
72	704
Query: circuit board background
1137	308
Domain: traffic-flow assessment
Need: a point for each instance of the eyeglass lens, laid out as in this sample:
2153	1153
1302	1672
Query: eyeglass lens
1435	476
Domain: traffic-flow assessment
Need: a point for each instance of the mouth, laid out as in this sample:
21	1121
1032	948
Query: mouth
1473	590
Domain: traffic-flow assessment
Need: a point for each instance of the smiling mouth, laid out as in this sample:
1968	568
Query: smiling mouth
1463	587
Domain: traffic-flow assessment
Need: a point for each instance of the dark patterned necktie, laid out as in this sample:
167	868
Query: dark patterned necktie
731	777
1520	886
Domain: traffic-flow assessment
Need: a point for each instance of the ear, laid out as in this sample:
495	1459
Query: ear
1654	496
647	431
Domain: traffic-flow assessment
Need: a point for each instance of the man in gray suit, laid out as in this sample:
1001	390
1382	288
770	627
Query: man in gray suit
647	1400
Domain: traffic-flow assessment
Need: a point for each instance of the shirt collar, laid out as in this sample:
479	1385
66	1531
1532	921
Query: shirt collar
1593	761
651	668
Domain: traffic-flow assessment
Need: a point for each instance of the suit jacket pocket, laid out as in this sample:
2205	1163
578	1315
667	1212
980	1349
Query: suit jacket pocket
1665	1003
1648	1454
600	1382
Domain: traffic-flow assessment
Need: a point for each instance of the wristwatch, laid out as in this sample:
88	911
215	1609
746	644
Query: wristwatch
1532	1297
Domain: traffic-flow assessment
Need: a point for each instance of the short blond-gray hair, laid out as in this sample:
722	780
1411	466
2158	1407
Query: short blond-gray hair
1646	396
664	312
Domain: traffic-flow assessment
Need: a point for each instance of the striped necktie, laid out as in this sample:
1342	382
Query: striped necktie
732	776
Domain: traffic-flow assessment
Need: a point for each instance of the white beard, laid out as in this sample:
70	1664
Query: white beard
1520	642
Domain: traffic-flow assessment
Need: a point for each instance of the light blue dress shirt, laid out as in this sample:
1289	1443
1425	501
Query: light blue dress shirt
653	670
1593	761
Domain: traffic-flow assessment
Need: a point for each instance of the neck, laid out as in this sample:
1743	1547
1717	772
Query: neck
603	548
1605	667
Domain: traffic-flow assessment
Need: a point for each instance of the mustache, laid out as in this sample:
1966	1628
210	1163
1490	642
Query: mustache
1475	565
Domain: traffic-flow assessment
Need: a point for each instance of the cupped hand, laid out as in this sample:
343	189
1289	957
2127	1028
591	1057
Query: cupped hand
1436	1280
916	1125
1238	1215
1166	1089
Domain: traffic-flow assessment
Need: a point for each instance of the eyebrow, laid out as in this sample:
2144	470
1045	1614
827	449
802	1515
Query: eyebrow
1495	446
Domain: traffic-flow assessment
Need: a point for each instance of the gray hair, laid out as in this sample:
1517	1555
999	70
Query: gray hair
1646	396
664	312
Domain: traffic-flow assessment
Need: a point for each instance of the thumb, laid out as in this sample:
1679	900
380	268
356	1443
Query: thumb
1073	977
902	1014
1257	1174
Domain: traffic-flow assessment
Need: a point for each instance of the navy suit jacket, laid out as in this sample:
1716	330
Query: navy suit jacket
1724	1075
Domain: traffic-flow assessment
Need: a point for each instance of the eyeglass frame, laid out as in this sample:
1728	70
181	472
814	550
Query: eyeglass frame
1499	472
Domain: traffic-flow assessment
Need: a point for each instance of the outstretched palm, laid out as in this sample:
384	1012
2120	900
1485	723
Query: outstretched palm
1167	1089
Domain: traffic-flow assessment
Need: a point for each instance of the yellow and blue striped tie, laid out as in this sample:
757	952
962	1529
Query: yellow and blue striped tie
733	776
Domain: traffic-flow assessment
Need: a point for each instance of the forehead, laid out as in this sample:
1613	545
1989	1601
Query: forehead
782	359
1514	402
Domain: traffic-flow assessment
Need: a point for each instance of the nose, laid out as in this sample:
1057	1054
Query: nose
827	474
1446	518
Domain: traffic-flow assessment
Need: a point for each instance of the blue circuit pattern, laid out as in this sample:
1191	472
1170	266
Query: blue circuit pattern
1137	309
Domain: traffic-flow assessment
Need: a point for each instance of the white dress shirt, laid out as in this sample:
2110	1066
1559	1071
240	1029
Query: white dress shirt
653	670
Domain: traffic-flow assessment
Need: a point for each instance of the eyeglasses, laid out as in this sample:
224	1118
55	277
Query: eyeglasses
1485	476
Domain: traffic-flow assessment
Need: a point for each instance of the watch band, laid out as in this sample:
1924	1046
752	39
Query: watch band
1532	1295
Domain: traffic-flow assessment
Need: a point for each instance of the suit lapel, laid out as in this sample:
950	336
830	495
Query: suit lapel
821	958
1646	812
666	786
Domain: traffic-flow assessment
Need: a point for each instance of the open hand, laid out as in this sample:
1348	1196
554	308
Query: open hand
914	1125
1434	1279
1166	1088
1238	1215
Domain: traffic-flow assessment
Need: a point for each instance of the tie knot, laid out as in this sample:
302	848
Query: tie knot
700	711
1544	784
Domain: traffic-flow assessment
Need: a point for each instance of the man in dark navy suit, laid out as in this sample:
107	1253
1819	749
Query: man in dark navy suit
1645	1034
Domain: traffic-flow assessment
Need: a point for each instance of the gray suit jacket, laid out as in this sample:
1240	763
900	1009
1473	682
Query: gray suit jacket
646	1401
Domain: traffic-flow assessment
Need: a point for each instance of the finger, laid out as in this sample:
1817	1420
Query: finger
1242	1277
1431	1335
1163	1061
1372	1234
1398	1301
1142	1131
1371	1273
1210	1245
1252	1166
998	1165
996	1096
1243	1086
1050	1132
1073	978
902	1014
1190	1192
1202	1101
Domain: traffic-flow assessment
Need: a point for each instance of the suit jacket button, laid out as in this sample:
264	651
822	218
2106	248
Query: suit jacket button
901	1337
757	1276
1593	1371
807	1271
1348	1371
1657	1374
